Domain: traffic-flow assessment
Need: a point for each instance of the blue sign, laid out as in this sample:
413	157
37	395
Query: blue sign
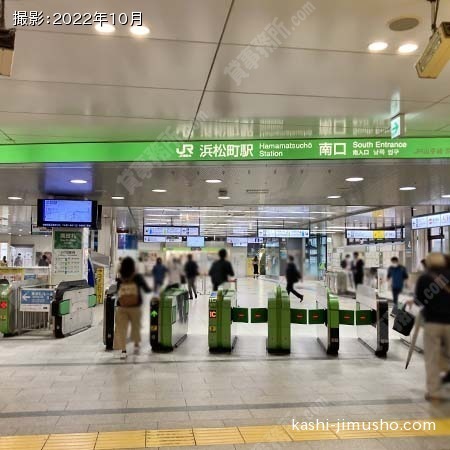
36	299
30	276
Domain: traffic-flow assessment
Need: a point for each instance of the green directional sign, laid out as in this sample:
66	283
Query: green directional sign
154	313
229	151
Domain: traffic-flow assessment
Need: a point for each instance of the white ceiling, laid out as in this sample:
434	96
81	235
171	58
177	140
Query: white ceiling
71	84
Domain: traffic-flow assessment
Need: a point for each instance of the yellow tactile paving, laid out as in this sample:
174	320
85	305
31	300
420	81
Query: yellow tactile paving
218	436
442	428
388	431
35	442
169	438
271	433
188	437
77	441
120	440
316	435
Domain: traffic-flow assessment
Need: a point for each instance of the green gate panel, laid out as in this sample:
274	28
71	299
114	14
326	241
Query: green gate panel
92	300
346	317
64	308
239	315
364	317
316	316
299	316
259	315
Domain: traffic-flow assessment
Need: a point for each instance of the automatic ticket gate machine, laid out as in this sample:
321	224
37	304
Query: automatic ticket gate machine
326	318
223	316
372	320
169	316
109	312
72	307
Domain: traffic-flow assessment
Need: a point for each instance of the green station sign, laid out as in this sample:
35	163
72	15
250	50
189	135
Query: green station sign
228	151
67	240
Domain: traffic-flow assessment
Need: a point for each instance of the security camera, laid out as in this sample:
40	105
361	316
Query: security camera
437	53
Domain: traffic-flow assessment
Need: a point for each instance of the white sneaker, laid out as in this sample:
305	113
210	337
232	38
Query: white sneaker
123	355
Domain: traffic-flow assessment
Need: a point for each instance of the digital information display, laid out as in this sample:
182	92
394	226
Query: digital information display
197	241
154	239
67	213
431	221
282	233
371	234
170	231
243	241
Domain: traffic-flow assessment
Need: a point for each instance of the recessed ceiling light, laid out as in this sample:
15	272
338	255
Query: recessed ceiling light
407	48
117	198
105	28
78	181
213	181
223	197
378	46
141	30
334	196
160	191
14	198
20	229
444	196
354	179
407	188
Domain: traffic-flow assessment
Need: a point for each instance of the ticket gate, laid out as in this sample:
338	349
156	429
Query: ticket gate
372	320
326	317
279	323
169	316
109	312
72	307
223	316
13	321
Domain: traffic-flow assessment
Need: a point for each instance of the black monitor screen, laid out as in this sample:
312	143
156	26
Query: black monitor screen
67	213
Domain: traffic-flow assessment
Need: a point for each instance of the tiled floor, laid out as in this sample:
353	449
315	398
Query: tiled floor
72	385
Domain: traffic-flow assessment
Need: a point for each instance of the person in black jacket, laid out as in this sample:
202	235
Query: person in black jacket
129	306
357	270
221	270
292	276
191	272
433	294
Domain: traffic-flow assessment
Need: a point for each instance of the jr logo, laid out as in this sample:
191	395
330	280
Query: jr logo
186	151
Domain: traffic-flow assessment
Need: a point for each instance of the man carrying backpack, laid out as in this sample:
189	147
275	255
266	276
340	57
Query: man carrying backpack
129	302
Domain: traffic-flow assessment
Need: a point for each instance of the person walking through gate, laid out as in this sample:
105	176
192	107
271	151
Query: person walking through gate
159	272
191	272
433	294
397	274
292	276
357	270
129	287
221	270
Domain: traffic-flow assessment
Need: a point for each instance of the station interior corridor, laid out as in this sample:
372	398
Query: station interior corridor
72	385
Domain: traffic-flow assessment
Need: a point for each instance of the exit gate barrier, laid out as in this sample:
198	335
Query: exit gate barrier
370	316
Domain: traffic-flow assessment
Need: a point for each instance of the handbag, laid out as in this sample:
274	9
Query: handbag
404	322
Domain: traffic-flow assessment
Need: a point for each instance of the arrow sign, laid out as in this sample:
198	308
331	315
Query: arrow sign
154	313
397	126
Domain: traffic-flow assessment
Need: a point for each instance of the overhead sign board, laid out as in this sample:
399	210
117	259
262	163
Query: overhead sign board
243	241
371	234
37	300
282	233
154	239
248	150
431	221
150	230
